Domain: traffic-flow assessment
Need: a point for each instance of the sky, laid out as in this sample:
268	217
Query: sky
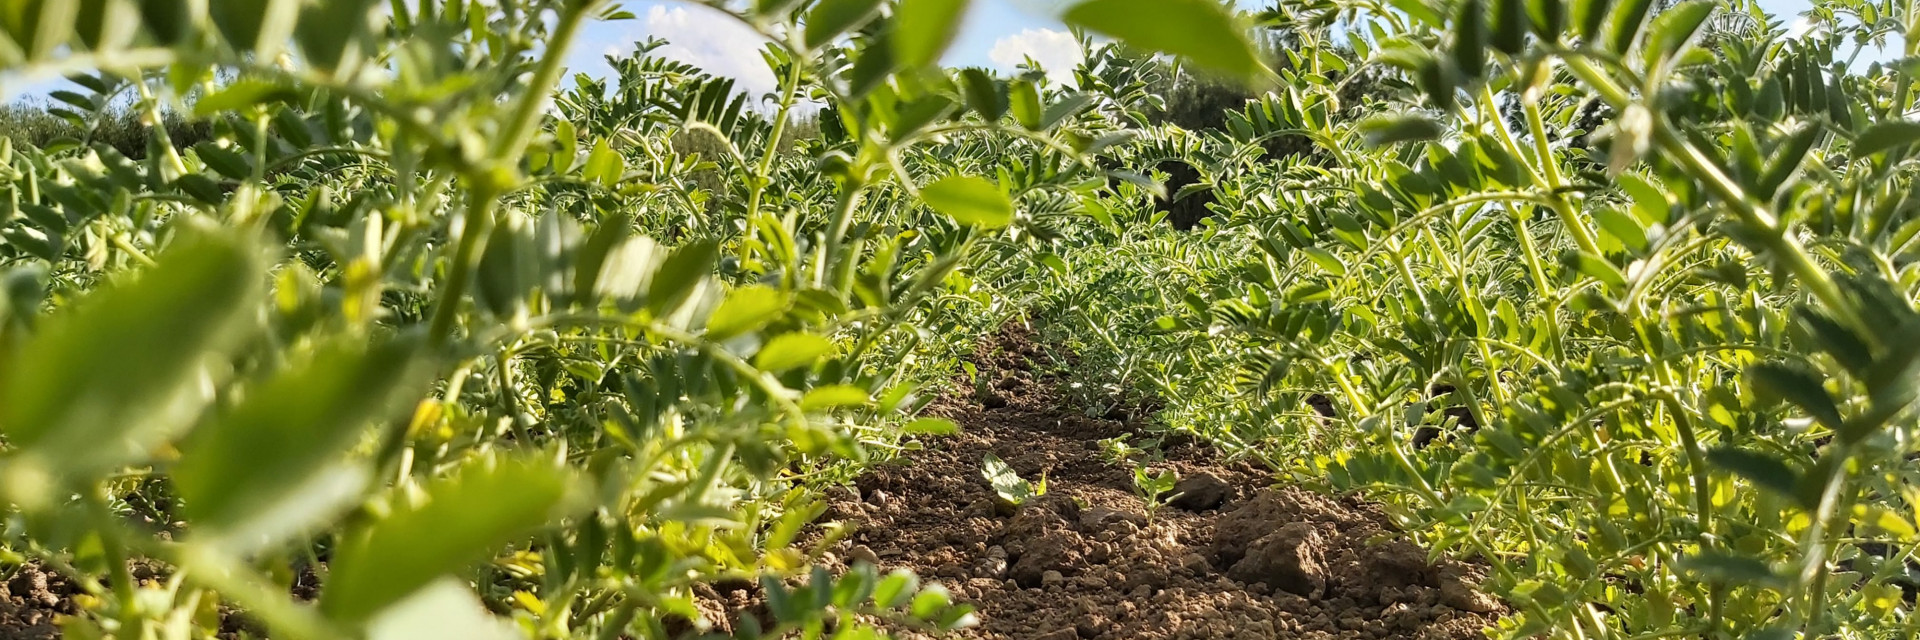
997	34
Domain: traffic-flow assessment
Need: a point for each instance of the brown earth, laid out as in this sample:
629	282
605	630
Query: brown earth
30	599
1229	557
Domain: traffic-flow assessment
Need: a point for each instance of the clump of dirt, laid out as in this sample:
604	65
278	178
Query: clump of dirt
30	602
1228	557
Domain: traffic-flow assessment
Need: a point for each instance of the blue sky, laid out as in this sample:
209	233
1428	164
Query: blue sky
997	34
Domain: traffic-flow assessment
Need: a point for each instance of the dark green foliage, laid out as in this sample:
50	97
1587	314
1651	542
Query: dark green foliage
121	129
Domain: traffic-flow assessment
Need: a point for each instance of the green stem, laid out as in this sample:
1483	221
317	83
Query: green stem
510	398
120	242
616	623
527	113
113	545
252	592
472	231
836	235
1556	200
170	154
764	171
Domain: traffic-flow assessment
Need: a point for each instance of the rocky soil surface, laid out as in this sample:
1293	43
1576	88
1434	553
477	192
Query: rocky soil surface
1228	556
29	601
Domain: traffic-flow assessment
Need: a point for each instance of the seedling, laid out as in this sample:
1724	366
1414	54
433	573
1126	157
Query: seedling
1117	450
1154	489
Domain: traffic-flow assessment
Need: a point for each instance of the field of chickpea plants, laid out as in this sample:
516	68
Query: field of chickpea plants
1428	319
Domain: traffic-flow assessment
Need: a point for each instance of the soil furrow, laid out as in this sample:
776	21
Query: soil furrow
1229	557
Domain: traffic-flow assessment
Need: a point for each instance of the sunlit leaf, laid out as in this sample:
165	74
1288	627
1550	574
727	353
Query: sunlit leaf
104	383
924	28
1203	31
969	200
458	520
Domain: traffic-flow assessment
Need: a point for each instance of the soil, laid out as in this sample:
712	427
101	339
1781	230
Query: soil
1229	556
33	598
29	602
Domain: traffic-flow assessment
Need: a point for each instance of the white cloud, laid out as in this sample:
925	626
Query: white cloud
1056	51
1800	27
718	44
696	35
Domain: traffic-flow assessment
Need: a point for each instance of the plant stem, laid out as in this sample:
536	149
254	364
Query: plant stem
471	229
160	134
836	235
113	546
527	112
1550	182
764	171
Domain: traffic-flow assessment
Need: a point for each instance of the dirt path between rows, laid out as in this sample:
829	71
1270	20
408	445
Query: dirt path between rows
1231	557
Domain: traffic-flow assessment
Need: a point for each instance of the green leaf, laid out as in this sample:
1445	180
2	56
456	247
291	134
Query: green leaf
679	274
930	601
1799	386
1676	26
984	94
895	589
932	426
566	146
1786	159
592	258
604	165
1883	519
914	115
1589	16
1470	38
243	94
627	271
1386	130
1067	107
1651	204
1510	24
228	164
1724	567
1886	136
1326	260
1621	226
1599	268
970	201
1023	99
922	30
746	309
458	520
1625	22
258	472
444	609
1203	31
830	18
833	396
1005	482
792	350
772	8
330	33
1548	18
104	383
1761	469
